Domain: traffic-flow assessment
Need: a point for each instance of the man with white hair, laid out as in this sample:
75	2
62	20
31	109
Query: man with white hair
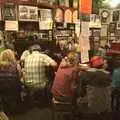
35	69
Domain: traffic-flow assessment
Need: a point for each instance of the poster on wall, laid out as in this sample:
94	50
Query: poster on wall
95	21
10	12
77	28
11	25
85	6
85	29
45	25
104	31
84	56
45	14
45	19
75	16
28	13
84	42
68	16
59	15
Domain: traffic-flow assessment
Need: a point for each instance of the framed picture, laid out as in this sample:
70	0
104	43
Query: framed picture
104	31
28	13
75	16
118	26
45	14
68	16
59	15
10	12
112	27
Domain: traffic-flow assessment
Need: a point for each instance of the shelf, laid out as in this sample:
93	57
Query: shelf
43	5
65	7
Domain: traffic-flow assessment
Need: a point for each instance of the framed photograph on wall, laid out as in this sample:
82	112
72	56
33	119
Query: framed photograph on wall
10	12
59	15
118	26
45	14
112	27
68	16
75	16
28	13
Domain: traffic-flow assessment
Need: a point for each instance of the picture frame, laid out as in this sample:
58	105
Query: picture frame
45	14
10	12
28	13
59	15
118	26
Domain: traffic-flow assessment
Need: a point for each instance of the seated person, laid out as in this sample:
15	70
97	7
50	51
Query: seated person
94	86
64	84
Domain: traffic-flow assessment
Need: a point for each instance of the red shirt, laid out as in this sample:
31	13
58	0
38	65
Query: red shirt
64	82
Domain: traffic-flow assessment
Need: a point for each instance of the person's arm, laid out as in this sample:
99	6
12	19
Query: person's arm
81	84
49	61
19	69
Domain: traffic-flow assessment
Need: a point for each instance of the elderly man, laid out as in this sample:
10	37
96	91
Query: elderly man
35	70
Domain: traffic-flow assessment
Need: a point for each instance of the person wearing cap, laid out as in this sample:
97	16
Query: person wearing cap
94	85
35	69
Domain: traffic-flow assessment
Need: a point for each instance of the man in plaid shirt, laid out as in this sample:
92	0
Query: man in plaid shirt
35	68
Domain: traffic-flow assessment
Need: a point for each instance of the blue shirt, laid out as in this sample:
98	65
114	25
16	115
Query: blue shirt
116	78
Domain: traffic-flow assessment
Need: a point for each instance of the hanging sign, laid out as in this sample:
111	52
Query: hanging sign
84	56
85	6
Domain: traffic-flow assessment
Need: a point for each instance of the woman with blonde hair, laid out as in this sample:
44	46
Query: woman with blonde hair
8	62
65	80
10	84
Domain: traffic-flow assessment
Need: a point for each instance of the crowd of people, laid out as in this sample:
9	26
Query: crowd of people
87	85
